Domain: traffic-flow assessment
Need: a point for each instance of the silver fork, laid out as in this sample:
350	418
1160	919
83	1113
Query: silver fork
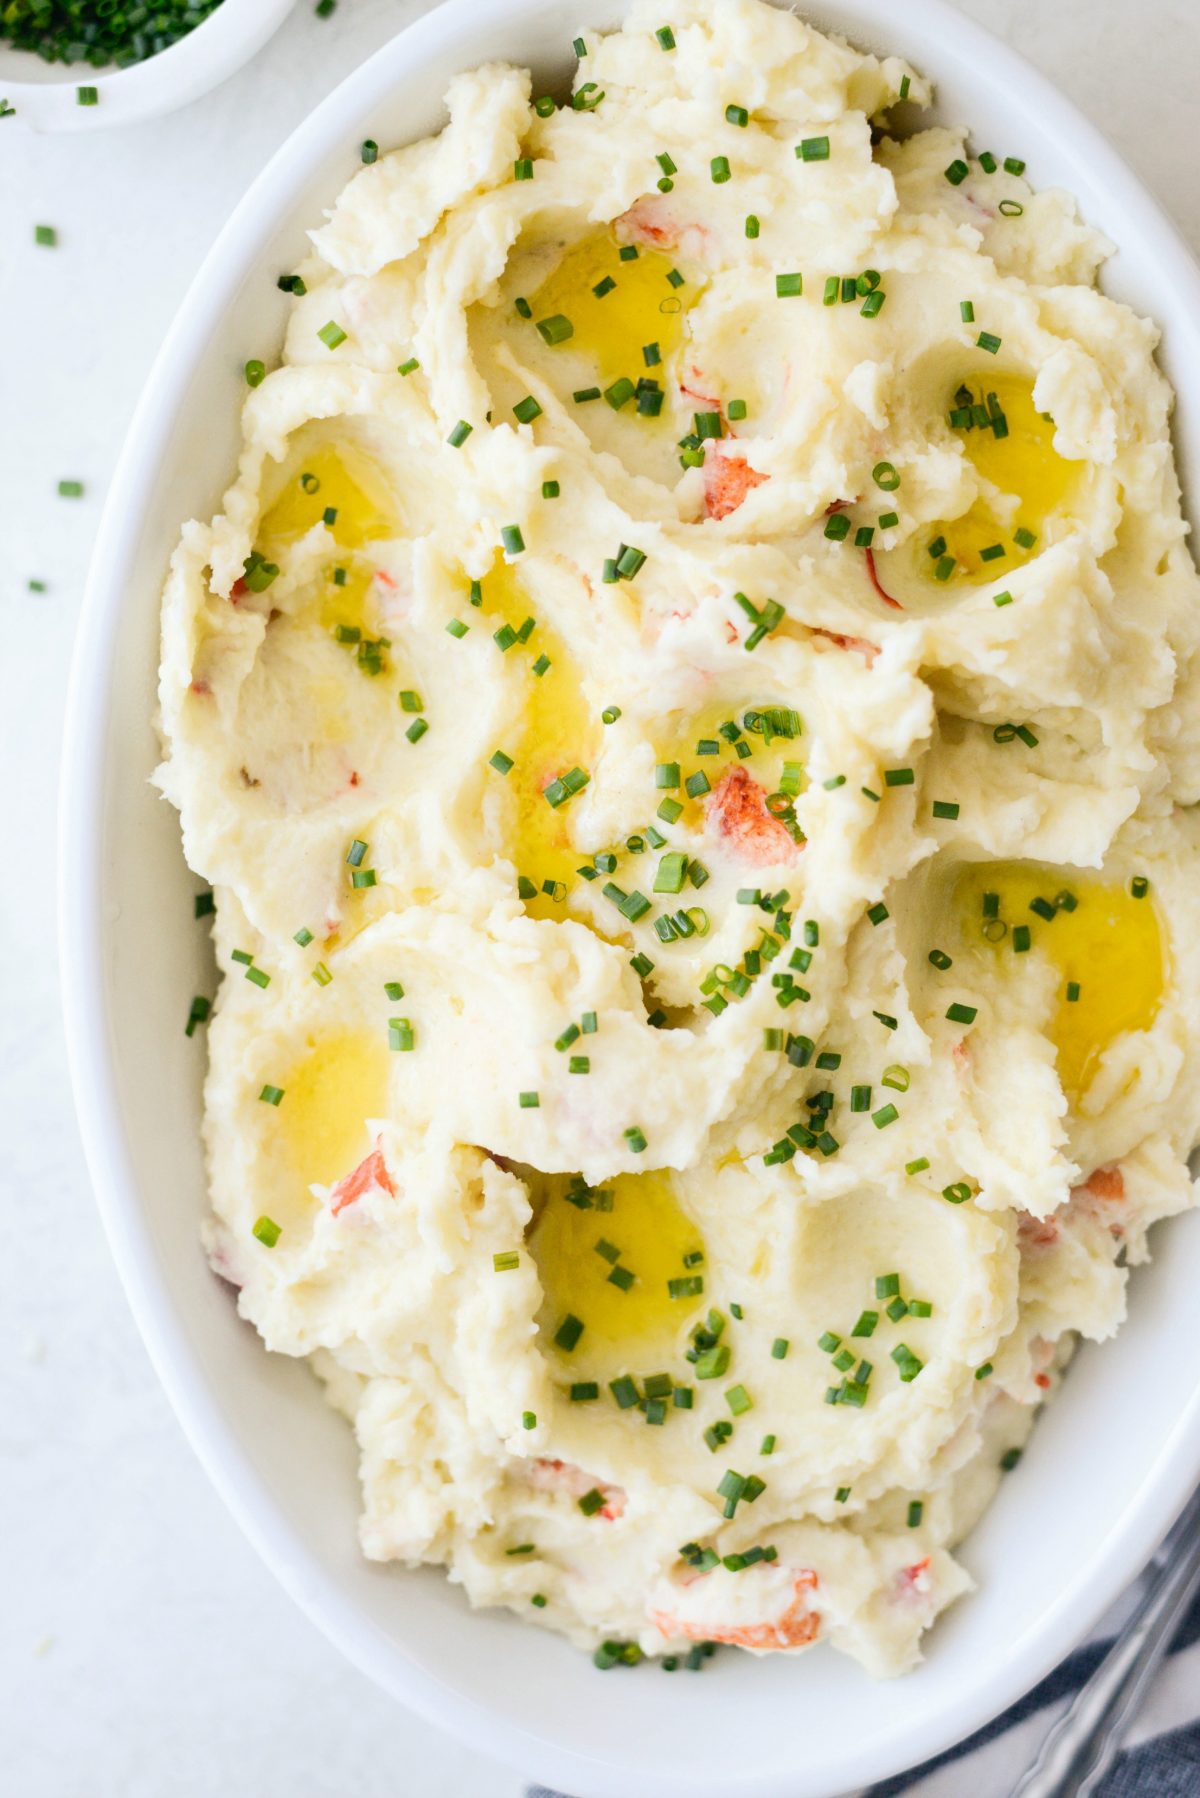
1082	1745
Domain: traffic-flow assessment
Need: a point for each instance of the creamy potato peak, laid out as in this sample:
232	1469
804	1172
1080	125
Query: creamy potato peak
690	714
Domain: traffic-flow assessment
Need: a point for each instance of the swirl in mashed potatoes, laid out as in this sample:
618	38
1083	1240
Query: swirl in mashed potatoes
690	712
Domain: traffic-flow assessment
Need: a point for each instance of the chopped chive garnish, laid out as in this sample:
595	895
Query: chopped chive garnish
666	37
779	1348
719	170
957	172
988	341
753	227
267	1231
331	334
788	286
568	1332
503	1262
813	149
198	1013
555	329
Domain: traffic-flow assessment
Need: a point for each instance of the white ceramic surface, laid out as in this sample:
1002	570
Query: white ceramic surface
1107	1469
44	94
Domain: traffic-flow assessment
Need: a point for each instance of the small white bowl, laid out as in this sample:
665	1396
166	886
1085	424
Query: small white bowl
1108	1467
45	94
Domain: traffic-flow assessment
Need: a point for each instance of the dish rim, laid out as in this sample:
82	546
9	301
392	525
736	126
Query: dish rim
91	704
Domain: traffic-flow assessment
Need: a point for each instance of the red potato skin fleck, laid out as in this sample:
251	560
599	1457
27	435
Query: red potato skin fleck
1036	1232
873	577
1103	1188
911	1582
797	1627
648	221
370	1175
552	1475
727	481
1104	1183
706	401
863	645
737	809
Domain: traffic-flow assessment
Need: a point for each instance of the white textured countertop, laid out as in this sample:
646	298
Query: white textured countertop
144	1652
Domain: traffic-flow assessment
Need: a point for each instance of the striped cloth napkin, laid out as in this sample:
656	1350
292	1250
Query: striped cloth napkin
1161	1758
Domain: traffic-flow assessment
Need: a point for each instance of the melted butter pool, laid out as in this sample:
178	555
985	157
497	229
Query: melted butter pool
339	1082
608	1262
637	305
1015	452
340	485
1109	945
556	731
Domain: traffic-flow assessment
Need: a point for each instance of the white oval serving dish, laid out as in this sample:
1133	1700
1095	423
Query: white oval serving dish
1108	1467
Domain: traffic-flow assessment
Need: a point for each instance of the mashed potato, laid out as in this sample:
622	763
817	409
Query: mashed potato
690	713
